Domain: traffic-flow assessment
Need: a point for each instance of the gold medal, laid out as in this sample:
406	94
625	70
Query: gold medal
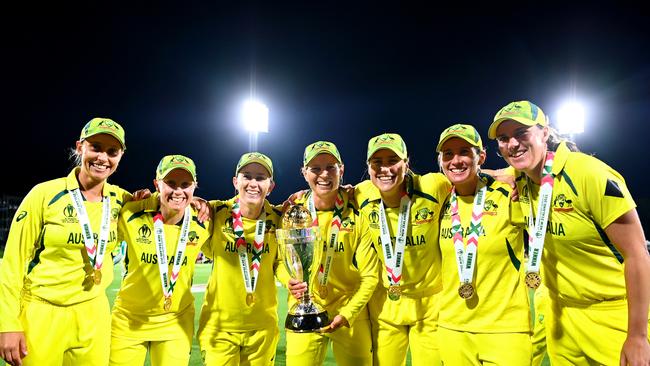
394	292
533	280
466	291
250	299
168	303
323	291
98	276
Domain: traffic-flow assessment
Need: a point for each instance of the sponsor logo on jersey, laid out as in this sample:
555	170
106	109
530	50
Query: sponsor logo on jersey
562	204
21	215
70	214
144	234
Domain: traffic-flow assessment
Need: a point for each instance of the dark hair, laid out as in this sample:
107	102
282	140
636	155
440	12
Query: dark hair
554	140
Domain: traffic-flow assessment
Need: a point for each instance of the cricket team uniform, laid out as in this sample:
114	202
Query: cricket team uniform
230	330
139	321
47	289
539	325
471	331
583	270
352	279
412	320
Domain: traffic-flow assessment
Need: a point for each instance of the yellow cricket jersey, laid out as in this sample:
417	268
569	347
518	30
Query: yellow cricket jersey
353	274
579	261
141	291
500	302
421	262
224	306
45	257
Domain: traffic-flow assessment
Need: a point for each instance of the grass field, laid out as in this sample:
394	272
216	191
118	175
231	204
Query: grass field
201	277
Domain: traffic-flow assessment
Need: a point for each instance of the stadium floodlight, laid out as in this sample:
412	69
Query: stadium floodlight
255	116
571	118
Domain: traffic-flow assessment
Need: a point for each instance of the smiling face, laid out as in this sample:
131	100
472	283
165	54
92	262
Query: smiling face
99	155
176	190
253	183
387	171
460	162
323	174
523	147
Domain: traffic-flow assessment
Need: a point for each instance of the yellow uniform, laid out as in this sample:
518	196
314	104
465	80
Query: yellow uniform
139	319
45	286
539	326
412	320
499	310
352	279
582	269
230	331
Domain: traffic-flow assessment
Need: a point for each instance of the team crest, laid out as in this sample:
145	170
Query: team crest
490	208
192	238
523	197
269	227
115	212
446	210
423	215
70	214
347	224
144	234
227	227
562	204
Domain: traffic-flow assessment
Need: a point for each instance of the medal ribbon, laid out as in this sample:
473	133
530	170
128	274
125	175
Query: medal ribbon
393	258
466	255
249	274
169	281
335	227
95	253
537	228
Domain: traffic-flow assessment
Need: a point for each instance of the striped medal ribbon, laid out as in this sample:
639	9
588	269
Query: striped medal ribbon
95	252
394	258
537	228
335	227
169	281
466	255
251	274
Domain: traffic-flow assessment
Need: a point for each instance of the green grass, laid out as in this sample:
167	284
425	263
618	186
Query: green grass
201	275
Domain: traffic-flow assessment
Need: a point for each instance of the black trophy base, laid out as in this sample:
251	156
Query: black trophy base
306	323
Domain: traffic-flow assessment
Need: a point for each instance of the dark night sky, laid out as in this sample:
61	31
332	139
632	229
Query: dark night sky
175	80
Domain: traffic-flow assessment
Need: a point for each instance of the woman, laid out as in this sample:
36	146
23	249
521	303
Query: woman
347	274
484	302
402	211
154	310
584	226
53	276
239	322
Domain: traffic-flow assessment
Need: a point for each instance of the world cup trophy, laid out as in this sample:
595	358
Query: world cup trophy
297	241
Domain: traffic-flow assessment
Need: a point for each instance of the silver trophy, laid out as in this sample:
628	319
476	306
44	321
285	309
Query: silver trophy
297	241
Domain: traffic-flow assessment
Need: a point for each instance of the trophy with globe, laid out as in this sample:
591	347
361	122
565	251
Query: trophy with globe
297	241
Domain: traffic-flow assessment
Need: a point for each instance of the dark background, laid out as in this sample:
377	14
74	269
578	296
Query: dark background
175	78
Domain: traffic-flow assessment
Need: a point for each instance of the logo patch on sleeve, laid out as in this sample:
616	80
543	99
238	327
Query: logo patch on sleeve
612	189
